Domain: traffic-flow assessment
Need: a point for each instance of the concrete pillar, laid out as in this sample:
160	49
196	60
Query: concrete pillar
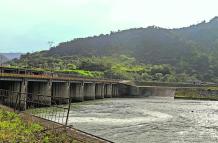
60	92
99	91
108	91
41	93
73	91
23	94
105	90
89	91
115	90
46	90
77	91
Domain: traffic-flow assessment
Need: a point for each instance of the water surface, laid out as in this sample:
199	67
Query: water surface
141	120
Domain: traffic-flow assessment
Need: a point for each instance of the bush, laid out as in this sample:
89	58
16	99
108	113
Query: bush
14	130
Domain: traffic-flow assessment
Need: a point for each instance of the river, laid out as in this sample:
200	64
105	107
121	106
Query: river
152	120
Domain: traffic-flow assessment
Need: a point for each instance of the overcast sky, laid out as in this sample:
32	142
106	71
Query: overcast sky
27	25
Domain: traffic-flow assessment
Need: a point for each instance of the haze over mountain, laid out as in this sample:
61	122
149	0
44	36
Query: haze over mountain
3	59
11	56
192	50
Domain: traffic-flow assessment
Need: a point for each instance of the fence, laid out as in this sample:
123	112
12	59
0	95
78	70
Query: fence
55	109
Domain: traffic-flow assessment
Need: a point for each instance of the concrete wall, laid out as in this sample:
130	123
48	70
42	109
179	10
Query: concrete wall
157	91
128	91
134	91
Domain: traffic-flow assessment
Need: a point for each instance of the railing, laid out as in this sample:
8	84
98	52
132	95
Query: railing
56	77
55	109
50	75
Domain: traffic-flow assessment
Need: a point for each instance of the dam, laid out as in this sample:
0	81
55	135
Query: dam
38	87
47	87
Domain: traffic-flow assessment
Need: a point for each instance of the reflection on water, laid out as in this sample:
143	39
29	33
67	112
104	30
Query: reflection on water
149	120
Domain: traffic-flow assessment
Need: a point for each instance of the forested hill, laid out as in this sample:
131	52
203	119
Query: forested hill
148	45
191	50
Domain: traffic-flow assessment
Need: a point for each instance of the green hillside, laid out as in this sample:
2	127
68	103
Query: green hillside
150	53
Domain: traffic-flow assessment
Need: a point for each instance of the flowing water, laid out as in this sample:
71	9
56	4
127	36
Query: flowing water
148	120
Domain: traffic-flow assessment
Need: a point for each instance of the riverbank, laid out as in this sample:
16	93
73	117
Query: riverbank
14	129
24	127
209	93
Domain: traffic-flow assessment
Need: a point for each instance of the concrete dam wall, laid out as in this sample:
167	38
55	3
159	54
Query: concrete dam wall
145	91
157	91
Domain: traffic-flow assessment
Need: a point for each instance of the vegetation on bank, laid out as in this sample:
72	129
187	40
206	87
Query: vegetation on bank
13	129
208	93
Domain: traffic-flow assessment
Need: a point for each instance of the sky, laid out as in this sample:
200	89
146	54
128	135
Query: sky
28	25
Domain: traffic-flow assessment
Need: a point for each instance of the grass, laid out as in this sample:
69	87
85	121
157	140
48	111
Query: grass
212	88
14	130
85	73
